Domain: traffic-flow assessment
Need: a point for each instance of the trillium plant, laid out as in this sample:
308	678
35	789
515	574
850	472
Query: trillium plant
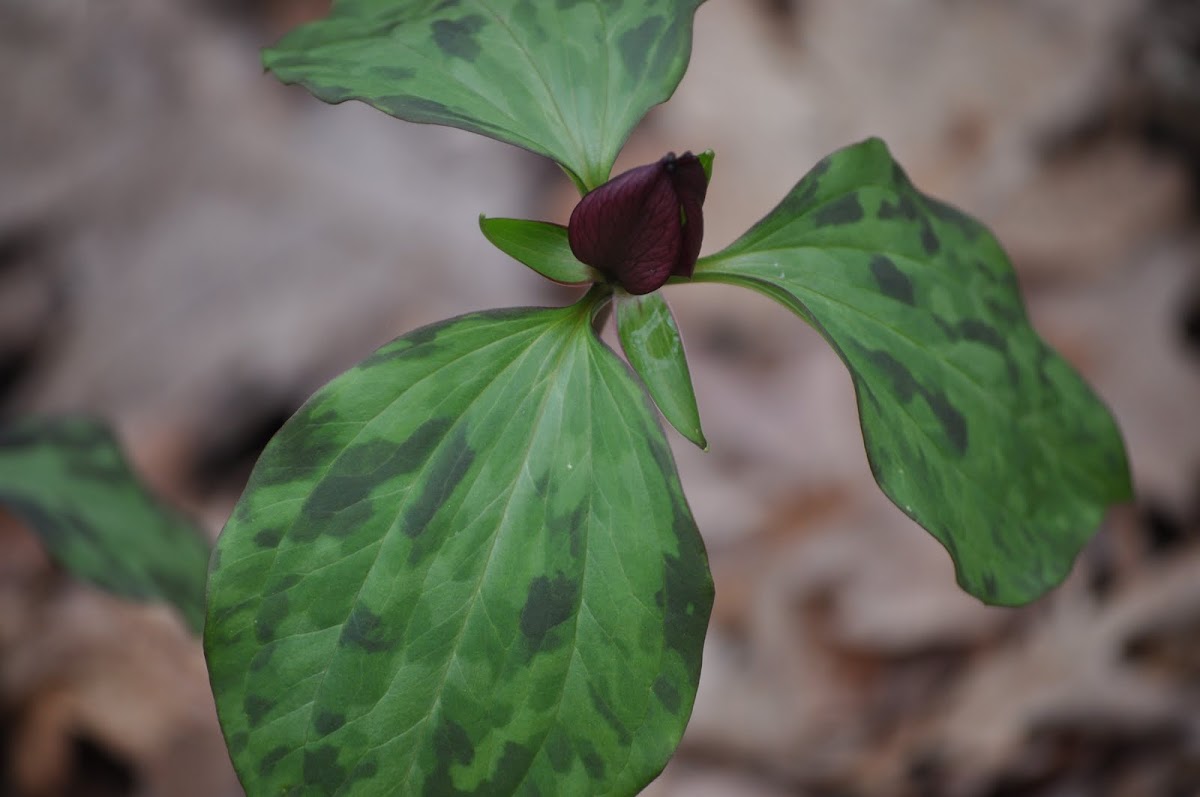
467	566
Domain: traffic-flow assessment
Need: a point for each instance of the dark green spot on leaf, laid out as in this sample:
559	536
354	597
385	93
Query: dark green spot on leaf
272	611
272	758
635	44
364	629
609	716
550	602
268	538
843	210
257	707
457	38
322	770
326	722
892	282
667	694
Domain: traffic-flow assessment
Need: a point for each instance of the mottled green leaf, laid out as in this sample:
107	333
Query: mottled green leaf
67	478
568	79
973	426
540	245
464	566
651	341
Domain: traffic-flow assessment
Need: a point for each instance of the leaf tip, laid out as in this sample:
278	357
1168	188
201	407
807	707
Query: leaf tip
878	146
487	227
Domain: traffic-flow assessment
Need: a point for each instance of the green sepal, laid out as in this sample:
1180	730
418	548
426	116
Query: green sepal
706	159
68	480
652	344
566	79
973	425
540	245
464	566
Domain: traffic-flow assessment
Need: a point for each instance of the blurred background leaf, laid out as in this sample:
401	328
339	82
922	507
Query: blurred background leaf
68	480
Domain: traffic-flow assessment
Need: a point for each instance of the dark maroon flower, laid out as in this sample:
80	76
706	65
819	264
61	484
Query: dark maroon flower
645	225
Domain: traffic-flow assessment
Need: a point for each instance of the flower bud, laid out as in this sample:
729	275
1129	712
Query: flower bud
645	225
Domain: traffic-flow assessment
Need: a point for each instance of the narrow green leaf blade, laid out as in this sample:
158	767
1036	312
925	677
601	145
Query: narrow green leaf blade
67	478
973	425
540	245
566	79
651	341
465	566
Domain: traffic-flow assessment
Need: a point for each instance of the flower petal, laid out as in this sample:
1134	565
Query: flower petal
633	227
691	186
604	220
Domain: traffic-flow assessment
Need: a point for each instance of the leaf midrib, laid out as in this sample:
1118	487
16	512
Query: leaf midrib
470	606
